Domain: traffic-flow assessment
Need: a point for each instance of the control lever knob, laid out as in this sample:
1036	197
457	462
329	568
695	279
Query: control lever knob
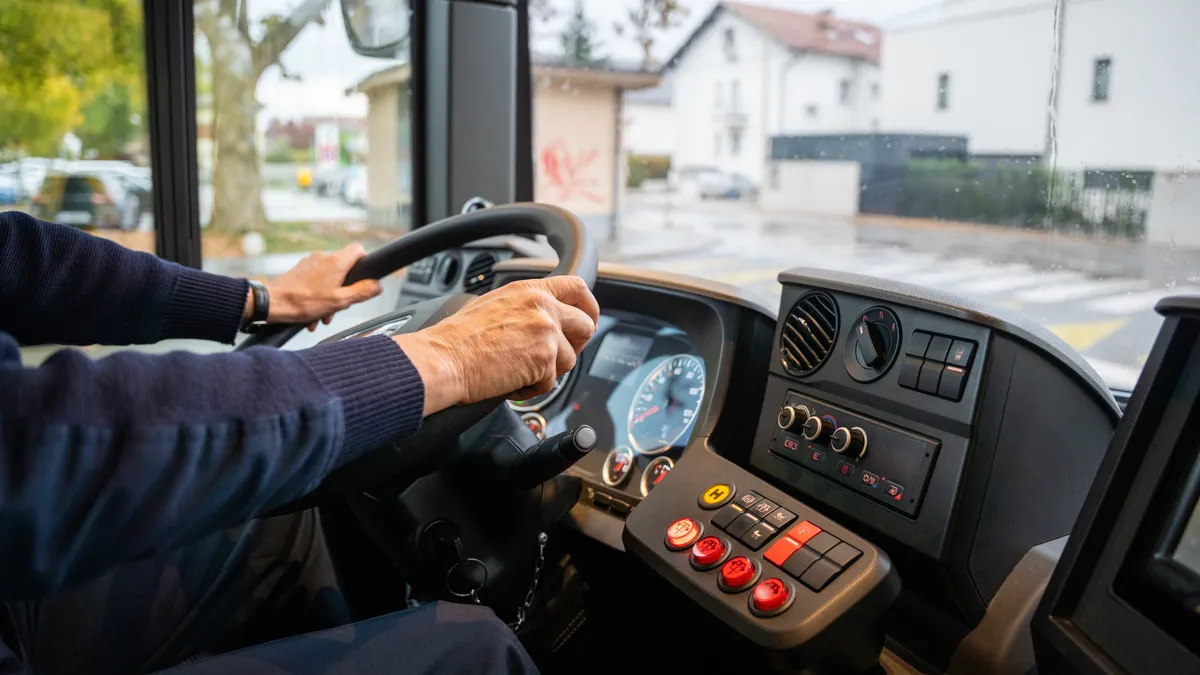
787	417
547	459
817	429
850	441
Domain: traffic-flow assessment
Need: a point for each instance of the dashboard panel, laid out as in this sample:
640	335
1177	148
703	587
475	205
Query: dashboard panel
639	383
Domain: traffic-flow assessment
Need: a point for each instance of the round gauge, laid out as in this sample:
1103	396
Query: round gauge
618	465
666	404
536	424
655	473
541	400
872	344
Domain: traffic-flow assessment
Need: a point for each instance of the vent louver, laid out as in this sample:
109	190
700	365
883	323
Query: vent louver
478	279
808	333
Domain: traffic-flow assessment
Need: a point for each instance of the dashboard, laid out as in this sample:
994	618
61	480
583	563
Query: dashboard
639	384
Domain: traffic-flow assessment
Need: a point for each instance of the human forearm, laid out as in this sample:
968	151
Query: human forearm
60	285
112	459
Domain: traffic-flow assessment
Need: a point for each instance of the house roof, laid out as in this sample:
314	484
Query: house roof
820	33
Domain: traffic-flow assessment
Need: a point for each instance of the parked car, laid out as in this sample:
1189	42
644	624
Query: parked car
725	185
686	180
134	178
87	199
10	190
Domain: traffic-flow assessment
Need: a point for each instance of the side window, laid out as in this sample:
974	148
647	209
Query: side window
302	144
844	92
82	111
943	91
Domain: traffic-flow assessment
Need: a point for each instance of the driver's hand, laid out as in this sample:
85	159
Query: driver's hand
514	342
312	291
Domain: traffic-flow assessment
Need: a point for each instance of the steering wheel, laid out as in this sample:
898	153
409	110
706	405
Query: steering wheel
423	452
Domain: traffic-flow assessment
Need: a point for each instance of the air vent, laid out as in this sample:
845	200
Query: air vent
809	331
479	274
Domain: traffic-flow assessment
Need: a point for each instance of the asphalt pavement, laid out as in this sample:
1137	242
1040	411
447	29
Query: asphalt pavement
1097	295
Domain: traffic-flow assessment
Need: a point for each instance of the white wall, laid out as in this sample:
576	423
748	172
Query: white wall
819	188
815	80
1152	117
998	54
649	129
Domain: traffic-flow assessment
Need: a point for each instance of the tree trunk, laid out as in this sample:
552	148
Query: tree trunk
237	184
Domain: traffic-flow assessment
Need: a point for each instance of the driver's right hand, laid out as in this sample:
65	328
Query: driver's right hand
514	342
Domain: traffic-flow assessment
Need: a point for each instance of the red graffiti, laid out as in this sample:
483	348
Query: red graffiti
565	171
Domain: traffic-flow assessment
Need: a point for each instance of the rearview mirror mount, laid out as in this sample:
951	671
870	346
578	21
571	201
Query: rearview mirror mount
377	28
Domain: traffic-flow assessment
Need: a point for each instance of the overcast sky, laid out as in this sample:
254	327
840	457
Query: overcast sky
327	66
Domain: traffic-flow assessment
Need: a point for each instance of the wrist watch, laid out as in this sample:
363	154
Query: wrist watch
260	311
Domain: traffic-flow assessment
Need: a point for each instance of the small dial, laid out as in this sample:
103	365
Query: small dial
536	424
872	344
618	465
655	472
666	404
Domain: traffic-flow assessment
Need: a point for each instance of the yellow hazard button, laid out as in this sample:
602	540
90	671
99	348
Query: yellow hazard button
716	496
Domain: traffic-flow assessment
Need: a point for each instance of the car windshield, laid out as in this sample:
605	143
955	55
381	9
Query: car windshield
1039	155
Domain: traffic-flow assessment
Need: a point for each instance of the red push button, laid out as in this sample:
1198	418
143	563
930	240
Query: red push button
738	573
770	597
781	550
682	534
803	532
707	552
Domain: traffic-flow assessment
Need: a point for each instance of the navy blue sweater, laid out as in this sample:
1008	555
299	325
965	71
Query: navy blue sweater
109	460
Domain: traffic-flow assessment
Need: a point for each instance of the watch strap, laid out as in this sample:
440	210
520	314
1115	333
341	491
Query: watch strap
261	309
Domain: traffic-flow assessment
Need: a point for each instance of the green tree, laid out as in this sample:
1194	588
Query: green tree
578	38
56	56
110	121
646	20
237	61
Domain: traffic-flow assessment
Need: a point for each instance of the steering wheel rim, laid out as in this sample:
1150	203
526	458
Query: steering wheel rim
566	234
422	454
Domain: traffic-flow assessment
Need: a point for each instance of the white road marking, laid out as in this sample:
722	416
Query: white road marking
1080	290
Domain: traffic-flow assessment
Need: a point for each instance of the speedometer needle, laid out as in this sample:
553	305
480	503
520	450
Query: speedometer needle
646	414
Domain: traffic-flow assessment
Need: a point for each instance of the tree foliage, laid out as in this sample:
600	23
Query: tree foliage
60	58
646	20
578	38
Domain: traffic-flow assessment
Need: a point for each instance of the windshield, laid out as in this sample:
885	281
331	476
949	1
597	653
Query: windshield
1039	155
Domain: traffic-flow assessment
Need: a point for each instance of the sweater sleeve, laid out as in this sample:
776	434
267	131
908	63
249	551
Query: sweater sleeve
110	460
60	285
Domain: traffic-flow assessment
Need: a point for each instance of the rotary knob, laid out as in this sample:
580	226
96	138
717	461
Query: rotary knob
817	429
850	441
787	417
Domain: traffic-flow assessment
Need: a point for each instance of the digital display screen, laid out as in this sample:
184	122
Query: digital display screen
620	354
1187	553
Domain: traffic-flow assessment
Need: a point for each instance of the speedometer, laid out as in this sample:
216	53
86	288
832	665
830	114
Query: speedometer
666	404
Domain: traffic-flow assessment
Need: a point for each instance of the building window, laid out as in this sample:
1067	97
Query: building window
943	93
719	97
1100	79
811	110
874	91
844	92
730	45
735	141
717	144
734	104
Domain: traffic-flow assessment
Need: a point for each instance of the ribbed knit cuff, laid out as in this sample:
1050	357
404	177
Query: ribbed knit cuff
205	306
383	397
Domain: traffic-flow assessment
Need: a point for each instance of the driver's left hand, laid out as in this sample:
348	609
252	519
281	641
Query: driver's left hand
312	291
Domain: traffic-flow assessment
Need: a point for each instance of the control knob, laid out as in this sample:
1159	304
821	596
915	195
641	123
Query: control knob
850	441
817	429
789	414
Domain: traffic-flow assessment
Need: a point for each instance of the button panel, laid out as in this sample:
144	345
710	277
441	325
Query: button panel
937	364
753	581
892	466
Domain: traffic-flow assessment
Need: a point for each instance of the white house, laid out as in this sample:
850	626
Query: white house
749	72
1128	90
649	128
